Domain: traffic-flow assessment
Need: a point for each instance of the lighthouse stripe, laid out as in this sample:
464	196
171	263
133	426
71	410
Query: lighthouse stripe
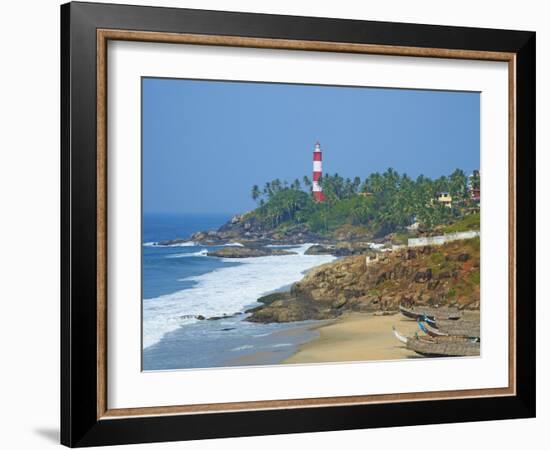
317	174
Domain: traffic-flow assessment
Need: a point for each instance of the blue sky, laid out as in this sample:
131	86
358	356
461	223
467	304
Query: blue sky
205	143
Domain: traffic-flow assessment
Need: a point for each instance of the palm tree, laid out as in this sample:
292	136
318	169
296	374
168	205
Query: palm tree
276	185
475	179
356	184
268	189
458	183
255	192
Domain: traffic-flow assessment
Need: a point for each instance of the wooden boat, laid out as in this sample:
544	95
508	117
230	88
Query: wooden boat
430	322
441	347
465	328
430	313
429	330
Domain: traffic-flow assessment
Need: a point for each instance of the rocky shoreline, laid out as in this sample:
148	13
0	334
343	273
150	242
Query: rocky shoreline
446	275
365	279
249	232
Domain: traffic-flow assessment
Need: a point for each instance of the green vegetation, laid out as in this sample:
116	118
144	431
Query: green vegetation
467	223
451	294
474	278
474	244
437	258
380	204
400	238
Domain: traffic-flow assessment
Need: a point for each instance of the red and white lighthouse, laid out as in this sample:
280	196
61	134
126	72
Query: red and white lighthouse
317	173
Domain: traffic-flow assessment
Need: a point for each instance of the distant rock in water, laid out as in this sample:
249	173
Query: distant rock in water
247	252
170	242
319	250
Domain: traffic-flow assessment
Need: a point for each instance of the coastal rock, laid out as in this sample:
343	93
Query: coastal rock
319	250
342	249
206	237
247	228
291	310
223	316
423	276
380	285
352	248
170	242
463	257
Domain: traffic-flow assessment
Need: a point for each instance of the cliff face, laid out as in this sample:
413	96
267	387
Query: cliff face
439	275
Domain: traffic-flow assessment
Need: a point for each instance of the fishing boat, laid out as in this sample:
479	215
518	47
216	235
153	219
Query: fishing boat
440	346
430	313
430	330
465	328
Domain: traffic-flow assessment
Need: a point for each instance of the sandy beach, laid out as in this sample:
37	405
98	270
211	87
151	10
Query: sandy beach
357	337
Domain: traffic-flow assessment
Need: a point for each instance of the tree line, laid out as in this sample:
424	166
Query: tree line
382	202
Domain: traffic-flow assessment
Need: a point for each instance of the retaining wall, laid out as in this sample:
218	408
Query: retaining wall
438	240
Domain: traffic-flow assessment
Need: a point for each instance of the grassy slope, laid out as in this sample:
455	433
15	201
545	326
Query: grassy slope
469	222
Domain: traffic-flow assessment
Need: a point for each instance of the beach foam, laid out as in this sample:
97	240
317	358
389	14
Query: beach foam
203	252
225	291
179	244
191	244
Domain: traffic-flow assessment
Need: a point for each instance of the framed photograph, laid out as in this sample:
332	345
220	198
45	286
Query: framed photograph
276	224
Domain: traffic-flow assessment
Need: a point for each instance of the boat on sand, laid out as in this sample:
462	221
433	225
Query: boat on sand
440	346
459	328
430	313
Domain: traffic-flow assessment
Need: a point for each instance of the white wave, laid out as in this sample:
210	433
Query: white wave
179	244
242	347
283	344
296	248
375	246
191	244
302	249
185	255
225	291
261	335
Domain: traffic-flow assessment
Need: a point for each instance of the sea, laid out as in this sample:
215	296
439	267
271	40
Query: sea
180	283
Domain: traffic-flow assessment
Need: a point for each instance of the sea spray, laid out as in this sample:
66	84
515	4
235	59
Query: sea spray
226	290
203	252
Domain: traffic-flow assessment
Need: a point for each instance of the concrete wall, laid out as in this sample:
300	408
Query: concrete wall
438	240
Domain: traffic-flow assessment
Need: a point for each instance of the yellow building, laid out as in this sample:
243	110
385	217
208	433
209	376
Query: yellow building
445	198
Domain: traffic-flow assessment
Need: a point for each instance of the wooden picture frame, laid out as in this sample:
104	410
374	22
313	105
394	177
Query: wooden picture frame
85	416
